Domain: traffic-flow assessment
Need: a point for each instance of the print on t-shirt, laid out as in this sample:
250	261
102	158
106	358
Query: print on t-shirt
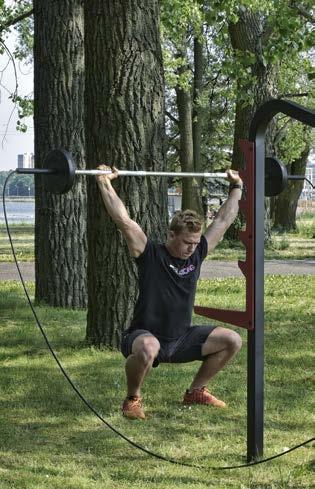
183	271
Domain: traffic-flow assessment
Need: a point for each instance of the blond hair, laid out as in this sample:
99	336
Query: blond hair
187	220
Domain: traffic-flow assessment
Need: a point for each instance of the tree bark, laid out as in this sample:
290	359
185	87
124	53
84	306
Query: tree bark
191	193
286	203
197	113
125	127
197	123
60	221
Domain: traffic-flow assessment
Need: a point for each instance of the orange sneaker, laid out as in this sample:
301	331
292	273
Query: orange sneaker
202	396
132	408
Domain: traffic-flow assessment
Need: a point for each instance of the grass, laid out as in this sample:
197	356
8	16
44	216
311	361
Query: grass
23	241
49	439
285	246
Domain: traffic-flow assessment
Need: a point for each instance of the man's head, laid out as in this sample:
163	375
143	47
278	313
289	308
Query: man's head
184	233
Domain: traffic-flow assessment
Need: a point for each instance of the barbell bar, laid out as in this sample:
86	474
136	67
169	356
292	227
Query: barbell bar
59	171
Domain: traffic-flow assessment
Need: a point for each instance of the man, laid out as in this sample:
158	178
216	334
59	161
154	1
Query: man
161	328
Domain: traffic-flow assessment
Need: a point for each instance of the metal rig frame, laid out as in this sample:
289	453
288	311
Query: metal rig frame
253	209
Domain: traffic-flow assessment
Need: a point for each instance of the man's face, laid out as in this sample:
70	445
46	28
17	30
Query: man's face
184	244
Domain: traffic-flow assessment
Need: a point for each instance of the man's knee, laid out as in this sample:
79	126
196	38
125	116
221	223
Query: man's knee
233	341
222	339
146	349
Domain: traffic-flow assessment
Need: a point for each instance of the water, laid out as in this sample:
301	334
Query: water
18	212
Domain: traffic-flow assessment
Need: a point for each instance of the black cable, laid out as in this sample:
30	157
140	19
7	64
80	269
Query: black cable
87	403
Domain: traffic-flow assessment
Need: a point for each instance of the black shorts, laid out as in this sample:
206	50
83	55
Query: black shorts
186	348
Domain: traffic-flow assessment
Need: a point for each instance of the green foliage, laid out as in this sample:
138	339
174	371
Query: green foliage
285	35
178	16
18	185
306	229
279	244
25	30
25	109
293	142
181	23
9	13
229	74
290	33
292	136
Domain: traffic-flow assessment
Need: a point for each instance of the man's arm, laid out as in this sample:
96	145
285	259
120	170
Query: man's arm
226	214
132	232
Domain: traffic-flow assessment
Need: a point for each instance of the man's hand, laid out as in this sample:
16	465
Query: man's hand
101	179
234	178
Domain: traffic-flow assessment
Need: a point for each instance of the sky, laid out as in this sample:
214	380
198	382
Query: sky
13	142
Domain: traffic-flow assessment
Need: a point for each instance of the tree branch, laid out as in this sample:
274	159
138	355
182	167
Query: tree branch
302	11
171	138
280	133
17	19
170	116
292	95
14	94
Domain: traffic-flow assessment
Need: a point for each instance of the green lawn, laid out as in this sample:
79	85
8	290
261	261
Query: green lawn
49	439
23	241
297	246
284	246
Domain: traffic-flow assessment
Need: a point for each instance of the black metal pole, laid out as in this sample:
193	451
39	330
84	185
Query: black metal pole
255	349
35	171
255	357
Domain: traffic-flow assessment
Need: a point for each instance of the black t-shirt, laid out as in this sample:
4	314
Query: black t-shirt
167	287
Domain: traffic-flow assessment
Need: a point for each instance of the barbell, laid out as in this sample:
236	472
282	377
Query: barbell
59	171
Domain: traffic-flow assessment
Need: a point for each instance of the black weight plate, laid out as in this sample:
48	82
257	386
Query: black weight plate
63	164
276	177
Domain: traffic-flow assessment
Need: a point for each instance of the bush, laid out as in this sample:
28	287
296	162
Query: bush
306	229
275	243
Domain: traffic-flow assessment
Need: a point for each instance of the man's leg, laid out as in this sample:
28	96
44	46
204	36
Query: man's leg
145	349
221	346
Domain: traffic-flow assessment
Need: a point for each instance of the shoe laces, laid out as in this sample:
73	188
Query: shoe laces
136	401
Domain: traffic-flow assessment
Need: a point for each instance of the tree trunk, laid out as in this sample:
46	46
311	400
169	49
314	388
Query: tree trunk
124	127
191	193
286	202
60	221
197	124
197	113
246	36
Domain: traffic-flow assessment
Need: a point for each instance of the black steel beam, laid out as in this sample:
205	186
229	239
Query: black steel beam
255	357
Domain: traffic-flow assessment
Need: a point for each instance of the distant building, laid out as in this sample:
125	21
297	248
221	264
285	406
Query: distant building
26	160
174	201
308	192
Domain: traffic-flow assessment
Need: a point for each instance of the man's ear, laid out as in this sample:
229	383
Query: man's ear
170	234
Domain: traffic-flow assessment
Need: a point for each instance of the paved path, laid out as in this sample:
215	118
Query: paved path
210	269
214	269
